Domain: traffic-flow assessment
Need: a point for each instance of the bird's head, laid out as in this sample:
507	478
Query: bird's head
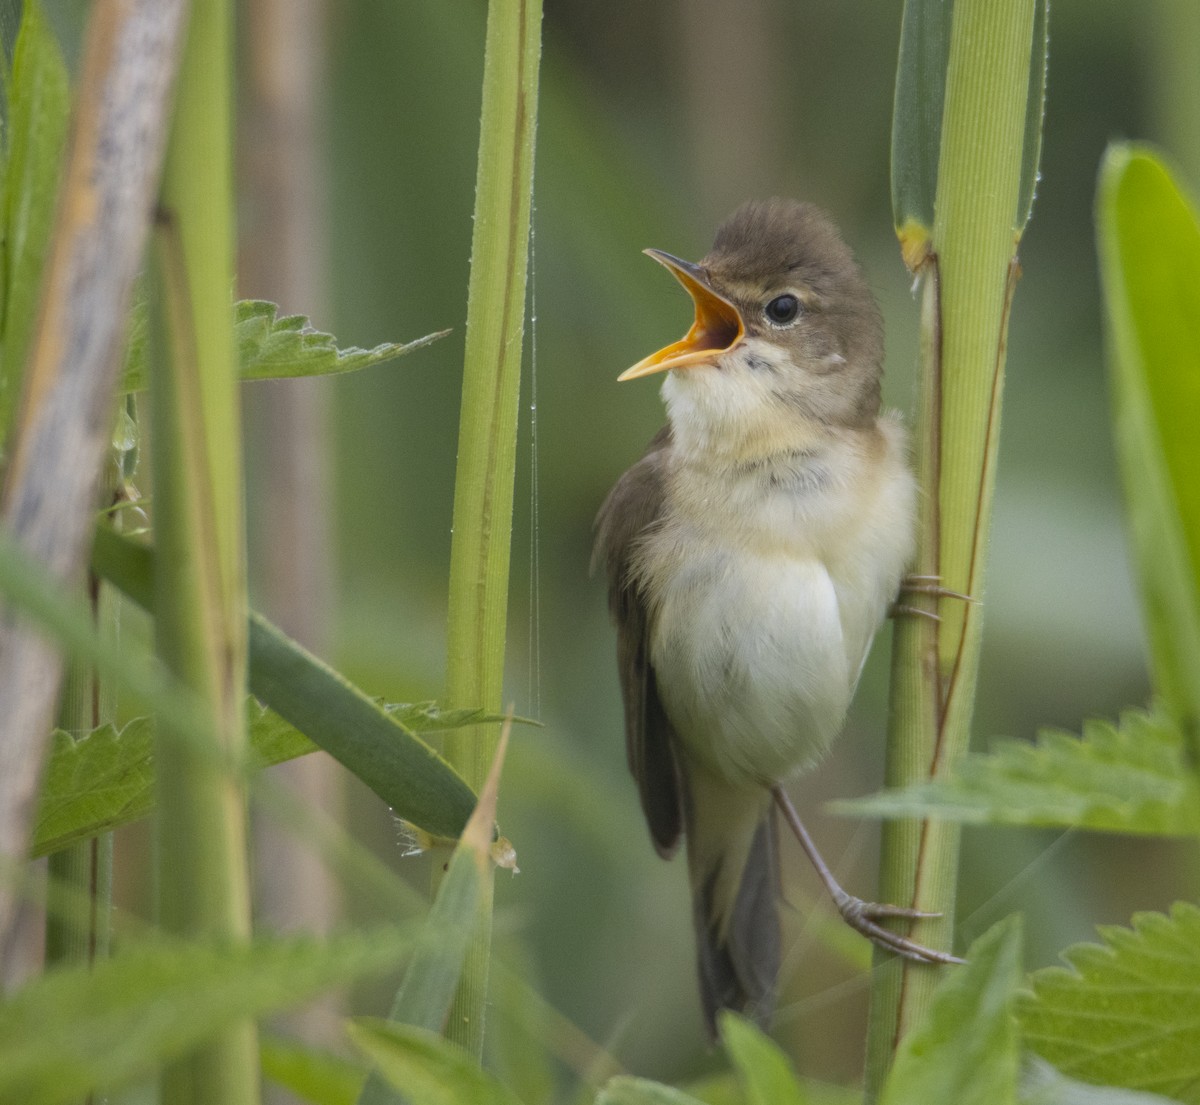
785	328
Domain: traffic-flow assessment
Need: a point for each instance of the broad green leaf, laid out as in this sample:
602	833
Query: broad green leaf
427	1068
1127	778
106	1024
766	1074
403	770
965	1049
1148	237
105	779
1041	1084
316	1076
272	348
917	121
431	980
641	1091
37	128
1125	1012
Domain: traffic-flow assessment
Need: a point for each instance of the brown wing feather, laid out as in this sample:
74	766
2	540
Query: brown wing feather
633	505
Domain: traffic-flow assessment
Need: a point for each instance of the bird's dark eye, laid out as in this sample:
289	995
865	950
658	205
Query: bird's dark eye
782	309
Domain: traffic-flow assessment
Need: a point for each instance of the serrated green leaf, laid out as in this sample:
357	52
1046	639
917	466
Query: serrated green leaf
1131	778
273	348
105	779
402	769
316	1076
965	1049
1148	236
427	1068
623	1090
77	1029
1125	1012
1041	1084
37	128
765	1072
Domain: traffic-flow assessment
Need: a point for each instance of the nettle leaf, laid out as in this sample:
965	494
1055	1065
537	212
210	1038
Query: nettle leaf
1126	1012
1041	1084
76	1029
965	1048
271	347
105	779
1128	778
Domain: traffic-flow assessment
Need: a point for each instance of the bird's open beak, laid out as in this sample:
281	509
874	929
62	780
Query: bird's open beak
718	326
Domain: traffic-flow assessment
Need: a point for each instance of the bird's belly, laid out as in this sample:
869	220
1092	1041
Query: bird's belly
751	663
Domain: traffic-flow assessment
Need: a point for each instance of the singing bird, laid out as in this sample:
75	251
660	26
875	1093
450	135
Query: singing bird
751	555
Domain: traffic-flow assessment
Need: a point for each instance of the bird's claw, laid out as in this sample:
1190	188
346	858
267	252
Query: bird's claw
863	917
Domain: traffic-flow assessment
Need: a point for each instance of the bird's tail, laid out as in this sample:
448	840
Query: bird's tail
733	861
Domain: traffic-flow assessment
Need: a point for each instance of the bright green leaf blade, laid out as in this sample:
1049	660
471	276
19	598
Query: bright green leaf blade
76	1029
427	1068
1131	778
1148	237
1035	115
105	779
641	1091
403	770
1041	1084
431	979
917	120
766	1074
965	1049
1127	1011
316	1076
37	128
273	348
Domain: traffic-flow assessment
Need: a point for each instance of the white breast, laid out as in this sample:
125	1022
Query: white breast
769	585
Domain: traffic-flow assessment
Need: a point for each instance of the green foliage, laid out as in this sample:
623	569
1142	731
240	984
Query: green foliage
316	1076
81	1028
641	1091
273	348
352	727
765	1073
1148	237
1128	778
36	133
427	1068
1127	1011
1041	1084
965	1051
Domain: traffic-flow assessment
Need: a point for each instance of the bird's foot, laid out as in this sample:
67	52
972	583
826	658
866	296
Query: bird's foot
924	585
863	917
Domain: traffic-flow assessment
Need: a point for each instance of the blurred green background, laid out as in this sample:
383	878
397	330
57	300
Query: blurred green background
656	120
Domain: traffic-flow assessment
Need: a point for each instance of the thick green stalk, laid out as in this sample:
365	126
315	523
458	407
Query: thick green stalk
968	291
198	517
483	489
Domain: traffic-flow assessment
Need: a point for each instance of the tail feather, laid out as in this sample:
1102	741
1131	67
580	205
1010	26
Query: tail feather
735	894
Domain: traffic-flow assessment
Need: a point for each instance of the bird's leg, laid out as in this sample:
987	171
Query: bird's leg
924	585
861	916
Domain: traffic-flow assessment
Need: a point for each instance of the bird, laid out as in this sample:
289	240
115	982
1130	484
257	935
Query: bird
751	554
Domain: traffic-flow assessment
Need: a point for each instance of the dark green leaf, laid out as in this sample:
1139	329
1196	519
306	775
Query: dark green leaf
1131	778
965	1049
1149	241
1126	1012
402	769
105	1024
429	1069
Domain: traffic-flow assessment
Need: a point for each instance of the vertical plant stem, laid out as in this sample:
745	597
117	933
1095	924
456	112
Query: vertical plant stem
969	284
200	605
483	490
